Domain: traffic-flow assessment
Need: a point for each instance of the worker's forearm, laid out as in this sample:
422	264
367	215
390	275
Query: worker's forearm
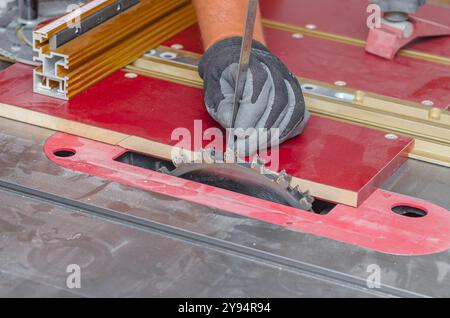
221	19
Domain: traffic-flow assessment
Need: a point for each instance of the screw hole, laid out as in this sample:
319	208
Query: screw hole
64	153
409	211
309	87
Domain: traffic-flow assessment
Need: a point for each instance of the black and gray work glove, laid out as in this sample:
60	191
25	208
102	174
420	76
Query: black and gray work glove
272	96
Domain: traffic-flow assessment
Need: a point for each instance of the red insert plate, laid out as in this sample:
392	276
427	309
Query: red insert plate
373	225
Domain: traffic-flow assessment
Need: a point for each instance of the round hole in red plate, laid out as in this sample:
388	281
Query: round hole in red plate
409	211
64	153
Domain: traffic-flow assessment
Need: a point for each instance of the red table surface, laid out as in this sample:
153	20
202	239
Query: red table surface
328	61
348	18
329	152
372	225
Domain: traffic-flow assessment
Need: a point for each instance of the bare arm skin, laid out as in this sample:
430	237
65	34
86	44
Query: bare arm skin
272	99
221	19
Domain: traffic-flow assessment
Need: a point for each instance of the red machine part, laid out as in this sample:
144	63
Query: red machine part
349	18
387	40
373	225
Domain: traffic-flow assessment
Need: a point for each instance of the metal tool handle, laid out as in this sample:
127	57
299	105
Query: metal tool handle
245	56
244	61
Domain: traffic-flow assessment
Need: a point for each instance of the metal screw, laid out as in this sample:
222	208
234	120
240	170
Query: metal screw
340	83
345	96
297	36
391	137
131	75
311	26
177	46
150	53
427	102
168	55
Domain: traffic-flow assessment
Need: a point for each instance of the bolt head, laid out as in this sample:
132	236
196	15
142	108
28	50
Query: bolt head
428	103
391	137
131	75
177	46
340	83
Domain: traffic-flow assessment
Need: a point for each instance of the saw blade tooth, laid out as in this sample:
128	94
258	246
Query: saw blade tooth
294	189
304	198
296	192
258	164
181	155
283	179
164	170
208	156
199	157
286	177
306	204
179	160
230	156
220	156
308	196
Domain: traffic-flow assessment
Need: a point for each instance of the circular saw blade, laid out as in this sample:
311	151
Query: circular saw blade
247	178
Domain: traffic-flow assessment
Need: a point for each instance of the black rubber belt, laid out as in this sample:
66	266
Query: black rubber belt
274	260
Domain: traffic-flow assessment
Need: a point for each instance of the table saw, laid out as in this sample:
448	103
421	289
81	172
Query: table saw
87	176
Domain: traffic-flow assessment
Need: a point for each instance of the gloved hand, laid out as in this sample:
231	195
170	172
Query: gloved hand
404	6
272	96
